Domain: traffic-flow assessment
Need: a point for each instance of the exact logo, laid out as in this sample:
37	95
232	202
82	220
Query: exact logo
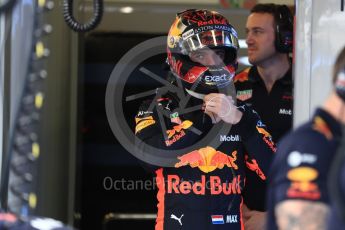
216	78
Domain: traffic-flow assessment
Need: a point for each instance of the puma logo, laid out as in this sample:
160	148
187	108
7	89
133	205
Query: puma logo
178	219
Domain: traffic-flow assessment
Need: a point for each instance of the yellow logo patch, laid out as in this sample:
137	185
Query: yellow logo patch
144	124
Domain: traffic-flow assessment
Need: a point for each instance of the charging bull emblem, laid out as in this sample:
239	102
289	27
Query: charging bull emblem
208	159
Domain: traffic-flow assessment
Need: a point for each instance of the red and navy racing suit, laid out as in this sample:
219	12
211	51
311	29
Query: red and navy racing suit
204	189
302	162
337	191
275	109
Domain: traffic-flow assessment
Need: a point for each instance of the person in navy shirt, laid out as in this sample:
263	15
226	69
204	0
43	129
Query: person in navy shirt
298	197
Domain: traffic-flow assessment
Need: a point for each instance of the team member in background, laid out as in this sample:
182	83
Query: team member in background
336	189
298	195
204	188
336	177
267	85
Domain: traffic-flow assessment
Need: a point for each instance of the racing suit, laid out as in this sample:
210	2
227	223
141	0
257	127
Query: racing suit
204	188
302	163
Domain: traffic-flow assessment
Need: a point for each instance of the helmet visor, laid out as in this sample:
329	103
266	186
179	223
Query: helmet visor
211	38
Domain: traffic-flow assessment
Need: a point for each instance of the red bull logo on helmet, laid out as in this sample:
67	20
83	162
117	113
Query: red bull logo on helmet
212	185
214	20
208	159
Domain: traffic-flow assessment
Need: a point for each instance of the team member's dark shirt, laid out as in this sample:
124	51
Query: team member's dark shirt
336	190
301	165
204	188
337	216
274	108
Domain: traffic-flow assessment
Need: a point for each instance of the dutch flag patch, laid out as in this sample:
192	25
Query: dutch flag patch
217	219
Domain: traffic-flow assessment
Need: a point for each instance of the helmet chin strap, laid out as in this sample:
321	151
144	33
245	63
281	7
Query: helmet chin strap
196	95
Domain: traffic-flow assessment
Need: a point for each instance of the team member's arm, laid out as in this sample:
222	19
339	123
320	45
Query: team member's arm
253	220
298	182
260	150
301	214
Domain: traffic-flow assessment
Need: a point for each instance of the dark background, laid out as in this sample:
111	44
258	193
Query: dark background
102	156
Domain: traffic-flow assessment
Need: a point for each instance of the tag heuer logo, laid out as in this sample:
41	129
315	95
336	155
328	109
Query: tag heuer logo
244	94
174	115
